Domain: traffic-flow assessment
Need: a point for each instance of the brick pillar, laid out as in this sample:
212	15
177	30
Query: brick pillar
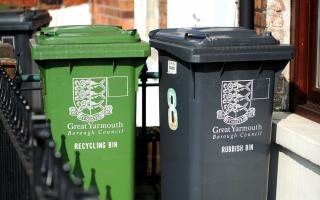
20	3
163	13
260	10
41	4
73	2
278	19
274	16
113	12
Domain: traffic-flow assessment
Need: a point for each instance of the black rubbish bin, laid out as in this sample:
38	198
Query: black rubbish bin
216	96
16	28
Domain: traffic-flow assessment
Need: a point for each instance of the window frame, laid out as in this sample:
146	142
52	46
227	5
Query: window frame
304	96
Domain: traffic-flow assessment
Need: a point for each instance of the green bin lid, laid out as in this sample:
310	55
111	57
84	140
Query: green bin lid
98	41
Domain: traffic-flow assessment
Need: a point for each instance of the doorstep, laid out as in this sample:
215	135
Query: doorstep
297	134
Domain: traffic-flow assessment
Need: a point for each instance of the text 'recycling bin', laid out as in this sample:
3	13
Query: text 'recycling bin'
16	28
90	77
216	96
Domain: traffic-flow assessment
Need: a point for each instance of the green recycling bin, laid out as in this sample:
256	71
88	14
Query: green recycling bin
90	78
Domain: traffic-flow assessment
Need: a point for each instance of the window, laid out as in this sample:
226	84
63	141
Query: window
305	69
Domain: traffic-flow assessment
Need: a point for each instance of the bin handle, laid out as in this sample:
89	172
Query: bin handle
53	31
132	32
183	34
195	35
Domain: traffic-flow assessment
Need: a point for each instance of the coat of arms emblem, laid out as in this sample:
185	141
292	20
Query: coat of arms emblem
236	97
90	99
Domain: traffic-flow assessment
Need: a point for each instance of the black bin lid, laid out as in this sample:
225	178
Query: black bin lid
23	20
219	44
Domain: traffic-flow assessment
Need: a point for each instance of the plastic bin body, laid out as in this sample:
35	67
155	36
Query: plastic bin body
215	112
90	87
16	28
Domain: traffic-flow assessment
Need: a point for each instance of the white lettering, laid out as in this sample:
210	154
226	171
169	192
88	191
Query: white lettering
249	147
72	126
90	145
216	129
231	149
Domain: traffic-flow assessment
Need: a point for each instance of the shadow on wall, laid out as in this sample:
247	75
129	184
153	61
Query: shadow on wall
281	95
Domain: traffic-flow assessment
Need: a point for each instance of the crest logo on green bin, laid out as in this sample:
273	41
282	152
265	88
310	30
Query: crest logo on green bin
236	97
90	99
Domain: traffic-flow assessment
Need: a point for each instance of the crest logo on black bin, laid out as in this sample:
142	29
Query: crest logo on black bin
236	98
90	99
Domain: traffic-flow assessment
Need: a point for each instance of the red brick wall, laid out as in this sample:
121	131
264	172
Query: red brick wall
163	13
273	16
40	3
73	2
113	12
278	19
20	3
260	16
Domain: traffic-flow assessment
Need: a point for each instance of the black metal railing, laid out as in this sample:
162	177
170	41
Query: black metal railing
52	177
44	175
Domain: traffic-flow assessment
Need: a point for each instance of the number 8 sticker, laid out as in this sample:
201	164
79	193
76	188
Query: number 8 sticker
172	111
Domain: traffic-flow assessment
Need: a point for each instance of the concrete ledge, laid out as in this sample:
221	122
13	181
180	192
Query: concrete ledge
297	134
